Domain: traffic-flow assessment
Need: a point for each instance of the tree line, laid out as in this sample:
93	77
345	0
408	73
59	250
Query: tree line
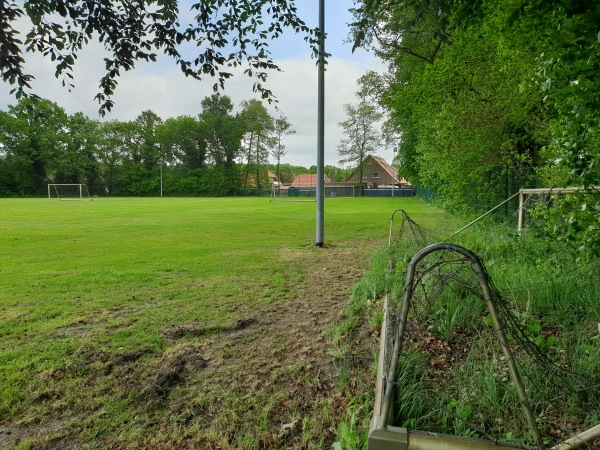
489	96
216	153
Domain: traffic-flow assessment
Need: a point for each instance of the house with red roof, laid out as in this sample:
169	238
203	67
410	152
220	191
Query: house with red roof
378	173
306	180
273	178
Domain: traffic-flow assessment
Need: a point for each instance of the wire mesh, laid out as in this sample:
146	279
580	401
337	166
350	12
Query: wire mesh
445	279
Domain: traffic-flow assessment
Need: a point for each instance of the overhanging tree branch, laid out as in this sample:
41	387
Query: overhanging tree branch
396	46
228	33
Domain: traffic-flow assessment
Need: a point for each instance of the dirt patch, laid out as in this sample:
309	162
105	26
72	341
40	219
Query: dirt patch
197	330
282	368
12	435
126	358
180	331
62	443
78	329
173	366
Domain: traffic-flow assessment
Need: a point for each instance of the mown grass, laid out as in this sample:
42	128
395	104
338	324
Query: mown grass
84	283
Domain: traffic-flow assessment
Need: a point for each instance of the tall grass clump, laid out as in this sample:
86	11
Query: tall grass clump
554	297
368	294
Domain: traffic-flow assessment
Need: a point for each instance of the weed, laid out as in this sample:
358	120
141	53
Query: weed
351	437
447	312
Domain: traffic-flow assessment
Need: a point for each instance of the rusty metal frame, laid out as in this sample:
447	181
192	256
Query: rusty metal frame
384	436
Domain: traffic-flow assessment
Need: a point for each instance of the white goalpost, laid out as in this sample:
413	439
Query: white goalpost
62	191
542	197
530	199
307	192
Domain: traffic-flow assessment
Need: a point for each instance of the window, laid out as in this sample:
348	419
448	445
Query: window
365	175
376	175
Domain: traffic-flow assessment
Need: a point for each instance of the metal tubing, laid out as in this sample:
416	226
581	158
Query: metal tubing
381	421
377	421
380	362
392	224
560	190
579	440
510	360
520	219
394	438
389	384
320	238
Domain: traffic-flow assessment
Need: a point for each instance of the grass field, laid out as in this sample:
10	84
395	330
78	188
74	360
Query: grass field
178	323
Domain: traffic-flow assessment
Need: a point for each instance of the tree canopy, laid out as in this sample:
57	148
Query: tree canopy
490	96
215	153
226	33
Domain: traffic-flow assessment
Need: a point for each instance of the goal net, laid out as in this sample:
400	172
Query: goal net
68	191
308	192
441	299
530	211
535	203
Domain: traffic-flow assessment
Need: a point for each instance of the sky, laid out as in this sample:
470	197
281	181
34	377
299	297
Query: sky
162	88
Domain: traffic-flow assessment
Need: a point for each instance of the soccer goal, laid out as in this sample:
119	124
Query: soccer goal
542	198
531	203
68	191
286	193
308	192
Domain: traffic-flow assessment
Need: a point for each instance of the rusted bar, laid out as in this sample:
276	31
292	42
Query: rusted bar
580	440
393	438
380	421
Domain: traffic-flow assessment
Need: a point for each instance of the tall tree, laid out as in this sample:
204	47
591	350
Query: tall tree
147	150
184	139
116	143
282	129
227	34
83	140
224	130
362	135
35	139
258	139
418	28
224	137
492	95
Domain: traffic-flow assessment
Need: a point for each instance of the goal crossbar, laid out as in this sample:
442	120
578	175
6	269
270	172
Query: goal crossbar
550	191
81	191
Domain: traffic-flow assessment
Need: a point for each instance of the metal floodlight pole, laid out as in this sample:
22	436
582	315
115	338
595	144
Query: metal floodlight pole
321	130
161	187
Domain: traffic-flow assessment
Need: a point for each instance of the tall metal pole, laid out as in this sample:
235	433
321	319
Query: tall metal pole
161	164
321	131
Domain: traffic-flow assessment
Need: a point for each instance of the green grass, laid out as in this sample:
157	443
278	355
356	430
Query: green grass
84	282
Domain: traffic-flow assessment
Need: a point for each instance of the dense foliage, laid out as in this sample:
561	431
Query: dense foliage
214	154
491	96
